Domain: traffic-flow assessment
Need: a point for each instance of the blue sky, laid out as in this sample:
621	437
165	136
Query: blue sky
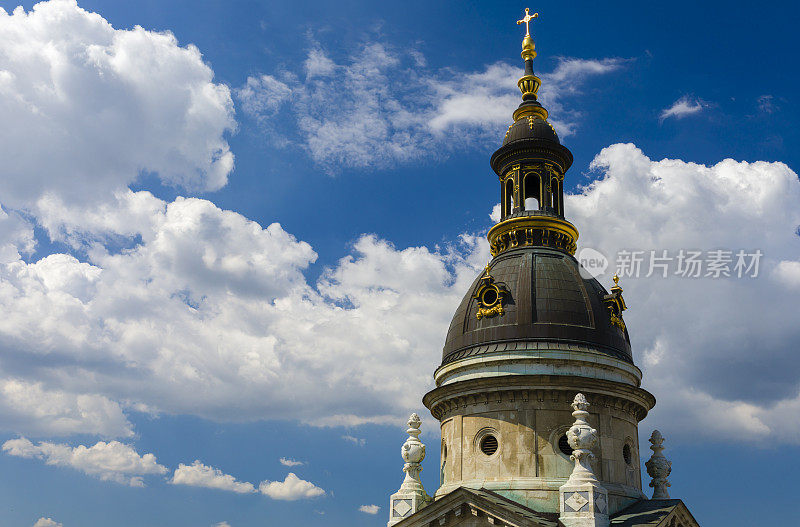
238	233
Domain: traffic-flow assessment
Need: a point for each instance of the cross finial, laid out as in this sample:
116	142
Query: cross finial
526	20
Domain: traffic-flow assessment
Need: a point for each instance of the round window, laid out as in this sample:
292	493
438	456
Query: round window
626	454
563	445
489	445
489	297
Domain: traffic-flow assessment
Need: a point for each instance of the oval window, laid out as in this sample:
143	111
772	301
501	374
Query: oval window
489	297
626	454
489	445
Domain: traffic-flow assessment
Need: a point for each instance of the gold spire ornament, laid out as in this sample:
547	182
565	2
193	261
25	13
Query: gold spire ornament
528	47
526	19
616	304
529	83
616	288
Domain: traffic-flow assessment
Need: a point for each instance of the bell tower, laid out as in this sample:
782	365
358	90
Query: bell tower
531	333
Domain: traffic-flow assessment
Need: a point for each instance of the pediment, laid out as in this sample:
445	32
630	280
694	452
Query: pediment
478	508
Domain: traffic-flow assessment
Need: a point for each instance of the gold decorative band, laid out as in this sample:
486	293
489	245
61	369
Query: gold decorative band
529	84
533	231
530	111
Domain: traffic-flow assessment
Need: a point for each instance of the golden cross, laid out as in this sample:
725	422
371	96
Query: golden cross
526	19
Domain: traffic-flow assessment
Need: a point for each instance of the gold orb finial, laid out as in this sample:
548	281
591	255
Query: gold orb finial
526	20
616	288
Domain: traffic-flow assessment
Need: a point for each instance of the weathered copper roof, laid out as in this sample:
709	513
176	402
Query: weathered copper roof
653	513
530	128
549	305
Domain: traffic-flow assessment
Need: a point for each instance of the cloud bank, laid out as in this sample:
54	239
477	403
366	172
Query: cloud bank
181	307
111	461
707	346
371	120
212	312
99	106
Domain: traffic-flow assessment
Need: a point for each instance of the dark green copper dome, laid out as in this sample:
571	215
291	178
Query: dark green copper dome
549	305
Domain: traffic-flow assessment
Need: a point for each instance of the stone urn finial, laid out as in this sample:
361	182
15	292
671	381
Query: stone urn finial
658	467
582	438
583	501
413	450
411	496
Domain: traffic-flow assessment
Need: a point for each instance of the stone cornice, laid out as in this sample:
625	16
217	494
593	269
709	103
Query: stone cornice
448	398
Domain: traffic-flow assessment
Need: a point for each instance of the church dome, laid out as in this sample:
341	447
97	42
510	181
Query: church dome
546	304
533	330
530	128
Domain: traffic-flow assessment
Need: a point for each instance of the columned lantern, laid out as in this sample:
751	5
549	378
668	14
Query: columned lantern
537	394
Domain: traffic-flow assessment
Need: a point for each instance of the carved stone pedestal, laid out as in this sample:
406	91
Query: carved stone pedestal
584	505
583	501
403	504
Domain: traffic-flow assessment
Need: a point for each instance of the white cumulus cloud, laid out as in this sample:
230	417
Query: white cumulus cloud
111	461
290	489
369	509
27	406
87	108
210	314
291	462
787	272
47	522
199	475
16	236
207	313
371	120
708	347
683	107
